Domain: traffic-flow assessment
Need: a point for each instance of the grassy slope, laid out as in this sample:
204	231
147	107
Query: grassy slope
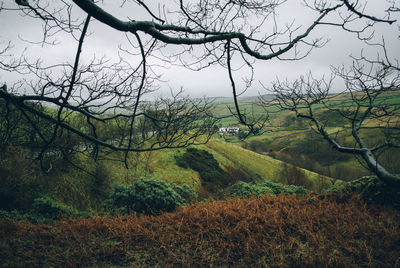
291	144
288	141
265	166
80	190
75	187
308	150
271	231
162	164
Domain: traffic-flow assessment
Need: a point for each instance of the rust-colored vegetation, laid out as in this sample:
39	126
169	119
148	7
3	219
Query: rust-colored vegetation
282	231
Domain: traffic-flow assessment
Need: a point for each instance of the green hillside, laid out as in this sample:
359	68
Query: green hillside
83	183
291	140
264	167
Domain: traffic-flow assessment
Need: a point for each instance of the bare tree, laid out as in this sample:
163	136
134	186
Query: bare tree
204	32
368	106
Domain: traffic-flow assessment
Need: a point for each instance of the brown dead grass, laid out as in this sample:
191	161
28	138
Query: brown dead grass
283	231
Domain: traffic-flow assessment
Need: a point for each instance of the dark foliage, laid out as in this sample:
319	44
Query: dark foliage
147	196
240	173
372	190
204	163
292	175
291	122
102	181
279	188
312	153
245	190
186	192
49	208
19	185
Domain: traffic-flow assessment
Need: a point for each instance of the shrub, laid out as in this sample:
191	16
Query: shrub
5	214
19	184
321	184
202	162
371	190
279	188
294	189
245	190
102	181
143	196
259	145
333	189
186	192
48	208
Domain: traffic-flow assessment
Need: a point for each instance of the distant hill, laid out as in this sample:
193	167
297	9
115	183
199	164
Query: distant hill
226	100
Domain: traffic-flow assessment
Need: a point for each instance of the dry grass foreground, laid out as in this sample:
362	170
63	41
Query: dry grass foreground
283	231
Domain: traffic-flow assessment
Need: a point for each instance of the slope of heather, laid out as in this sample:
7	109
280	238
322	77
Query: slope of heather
283	231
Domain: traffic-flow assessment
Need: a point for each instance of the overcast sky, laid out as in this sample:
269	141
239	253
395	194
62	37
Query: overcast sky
213	81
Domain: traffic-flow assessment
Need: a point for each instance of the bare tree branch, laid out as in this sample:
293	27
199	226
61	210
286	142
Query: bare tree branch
101	102
368	90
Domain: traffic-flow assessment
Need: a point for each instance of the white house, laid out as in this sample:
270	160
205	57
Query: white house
230	130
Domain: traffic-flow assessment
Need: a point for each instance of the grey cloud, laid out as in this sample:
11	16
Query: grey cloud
214	80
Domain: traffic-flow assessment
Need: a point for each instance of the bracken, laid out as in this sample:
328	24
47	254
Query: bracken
282	231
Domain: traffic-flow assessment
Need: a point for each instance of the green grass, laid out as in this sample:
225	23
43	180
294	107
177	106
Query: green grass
77	187
306	149
86	187
266	168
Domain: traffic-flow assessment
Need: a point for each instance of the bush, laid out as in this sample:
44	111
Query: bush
204	163
19	184
243	134
334	189
371	190
14	214
186	192
245	190
294	189
102	181
143	196
279	188
50	209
